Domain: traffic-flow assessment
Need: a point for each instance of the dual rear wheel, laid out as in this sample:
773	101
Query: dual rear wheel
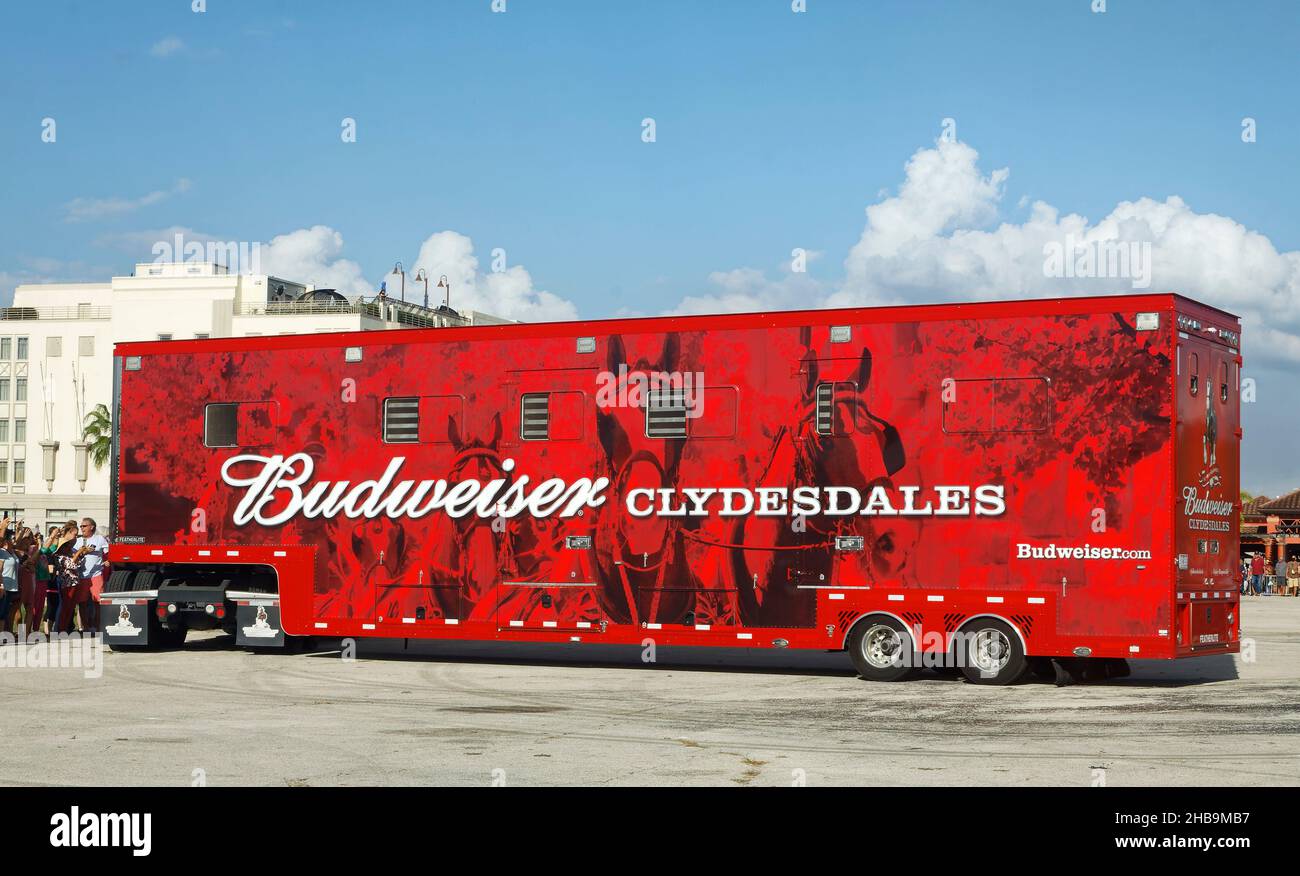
988	651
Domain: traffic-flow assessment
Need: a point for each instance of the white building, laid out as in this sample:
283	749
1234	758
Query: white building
56	361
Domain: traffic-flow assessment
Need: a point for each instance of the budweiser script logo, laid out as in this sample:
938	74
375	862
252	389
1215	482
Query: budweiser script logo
1194	503
281	488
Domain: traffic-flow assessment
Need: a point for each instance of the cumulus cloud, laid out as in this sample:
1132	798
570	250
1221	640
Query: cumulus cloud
86	209
508	292
315	255
939	239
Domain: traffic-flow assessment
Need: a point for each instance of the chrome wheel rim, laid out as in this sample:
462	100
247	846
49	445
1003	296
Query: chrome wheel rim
881	646
990	651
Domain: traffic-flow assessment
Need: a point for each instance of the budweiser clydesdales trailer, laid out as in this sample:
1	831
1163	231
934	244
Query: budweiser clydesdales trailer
989	486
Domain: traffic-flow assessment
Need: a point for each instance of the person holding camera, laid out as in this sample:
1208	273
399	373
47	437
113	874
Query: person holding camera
90	555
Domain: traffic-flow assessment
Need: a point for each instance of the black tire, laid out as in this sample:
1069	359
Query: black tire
992	653
881	649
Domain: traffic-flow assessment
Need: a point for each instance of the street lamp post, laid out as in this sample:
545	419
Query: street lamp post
421	275
398	269
443	284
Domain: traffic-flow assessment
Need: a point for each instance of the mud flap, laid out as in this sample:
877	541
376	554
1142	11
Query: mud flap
257	624
126	623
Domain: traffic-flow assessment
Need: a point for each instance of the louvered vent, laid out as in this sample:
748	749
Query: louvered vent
535	416
401	420
665	414
825	409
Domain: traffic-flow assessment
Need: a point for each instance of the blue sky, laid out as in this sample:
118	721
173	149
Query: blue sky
522	130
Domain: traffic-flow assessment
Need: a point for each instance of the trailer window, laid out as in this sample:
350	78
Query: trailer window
1223	382
535	416
832	402
1194	365
239	424
429	419
1001	404
551	416
714	413
665	413
401	420
440	418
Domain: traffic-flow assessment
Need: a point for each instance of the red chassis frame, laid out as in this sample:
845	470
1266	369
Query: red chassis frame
1080	413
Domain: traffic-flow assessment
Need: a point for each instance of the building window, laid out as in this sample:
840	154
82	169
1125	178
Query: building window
4	389
4	471
20	431
20	389
86	345
20	471
166	337
200	335
4	431
53	347
22	349
6	349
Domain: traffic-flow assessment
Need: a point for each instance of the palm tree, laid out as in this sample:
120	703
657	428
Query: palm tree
98	433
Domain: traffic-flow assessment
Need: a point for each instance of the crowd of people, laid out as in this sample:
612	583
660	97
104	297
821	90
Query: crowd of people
52	583
1259	577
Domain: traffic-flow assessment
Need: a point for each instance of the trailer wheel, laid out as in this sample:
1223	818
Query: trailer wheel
992	653
882	649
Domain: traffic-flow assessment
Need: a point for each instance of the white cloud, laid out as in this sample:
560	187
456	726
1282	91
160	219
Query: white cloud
935	241
508	293
746	289
167	46
85	209
315	256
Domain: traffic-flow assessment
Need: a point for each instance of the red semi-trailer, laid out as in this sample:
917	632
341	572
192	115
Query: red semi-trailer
985	487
